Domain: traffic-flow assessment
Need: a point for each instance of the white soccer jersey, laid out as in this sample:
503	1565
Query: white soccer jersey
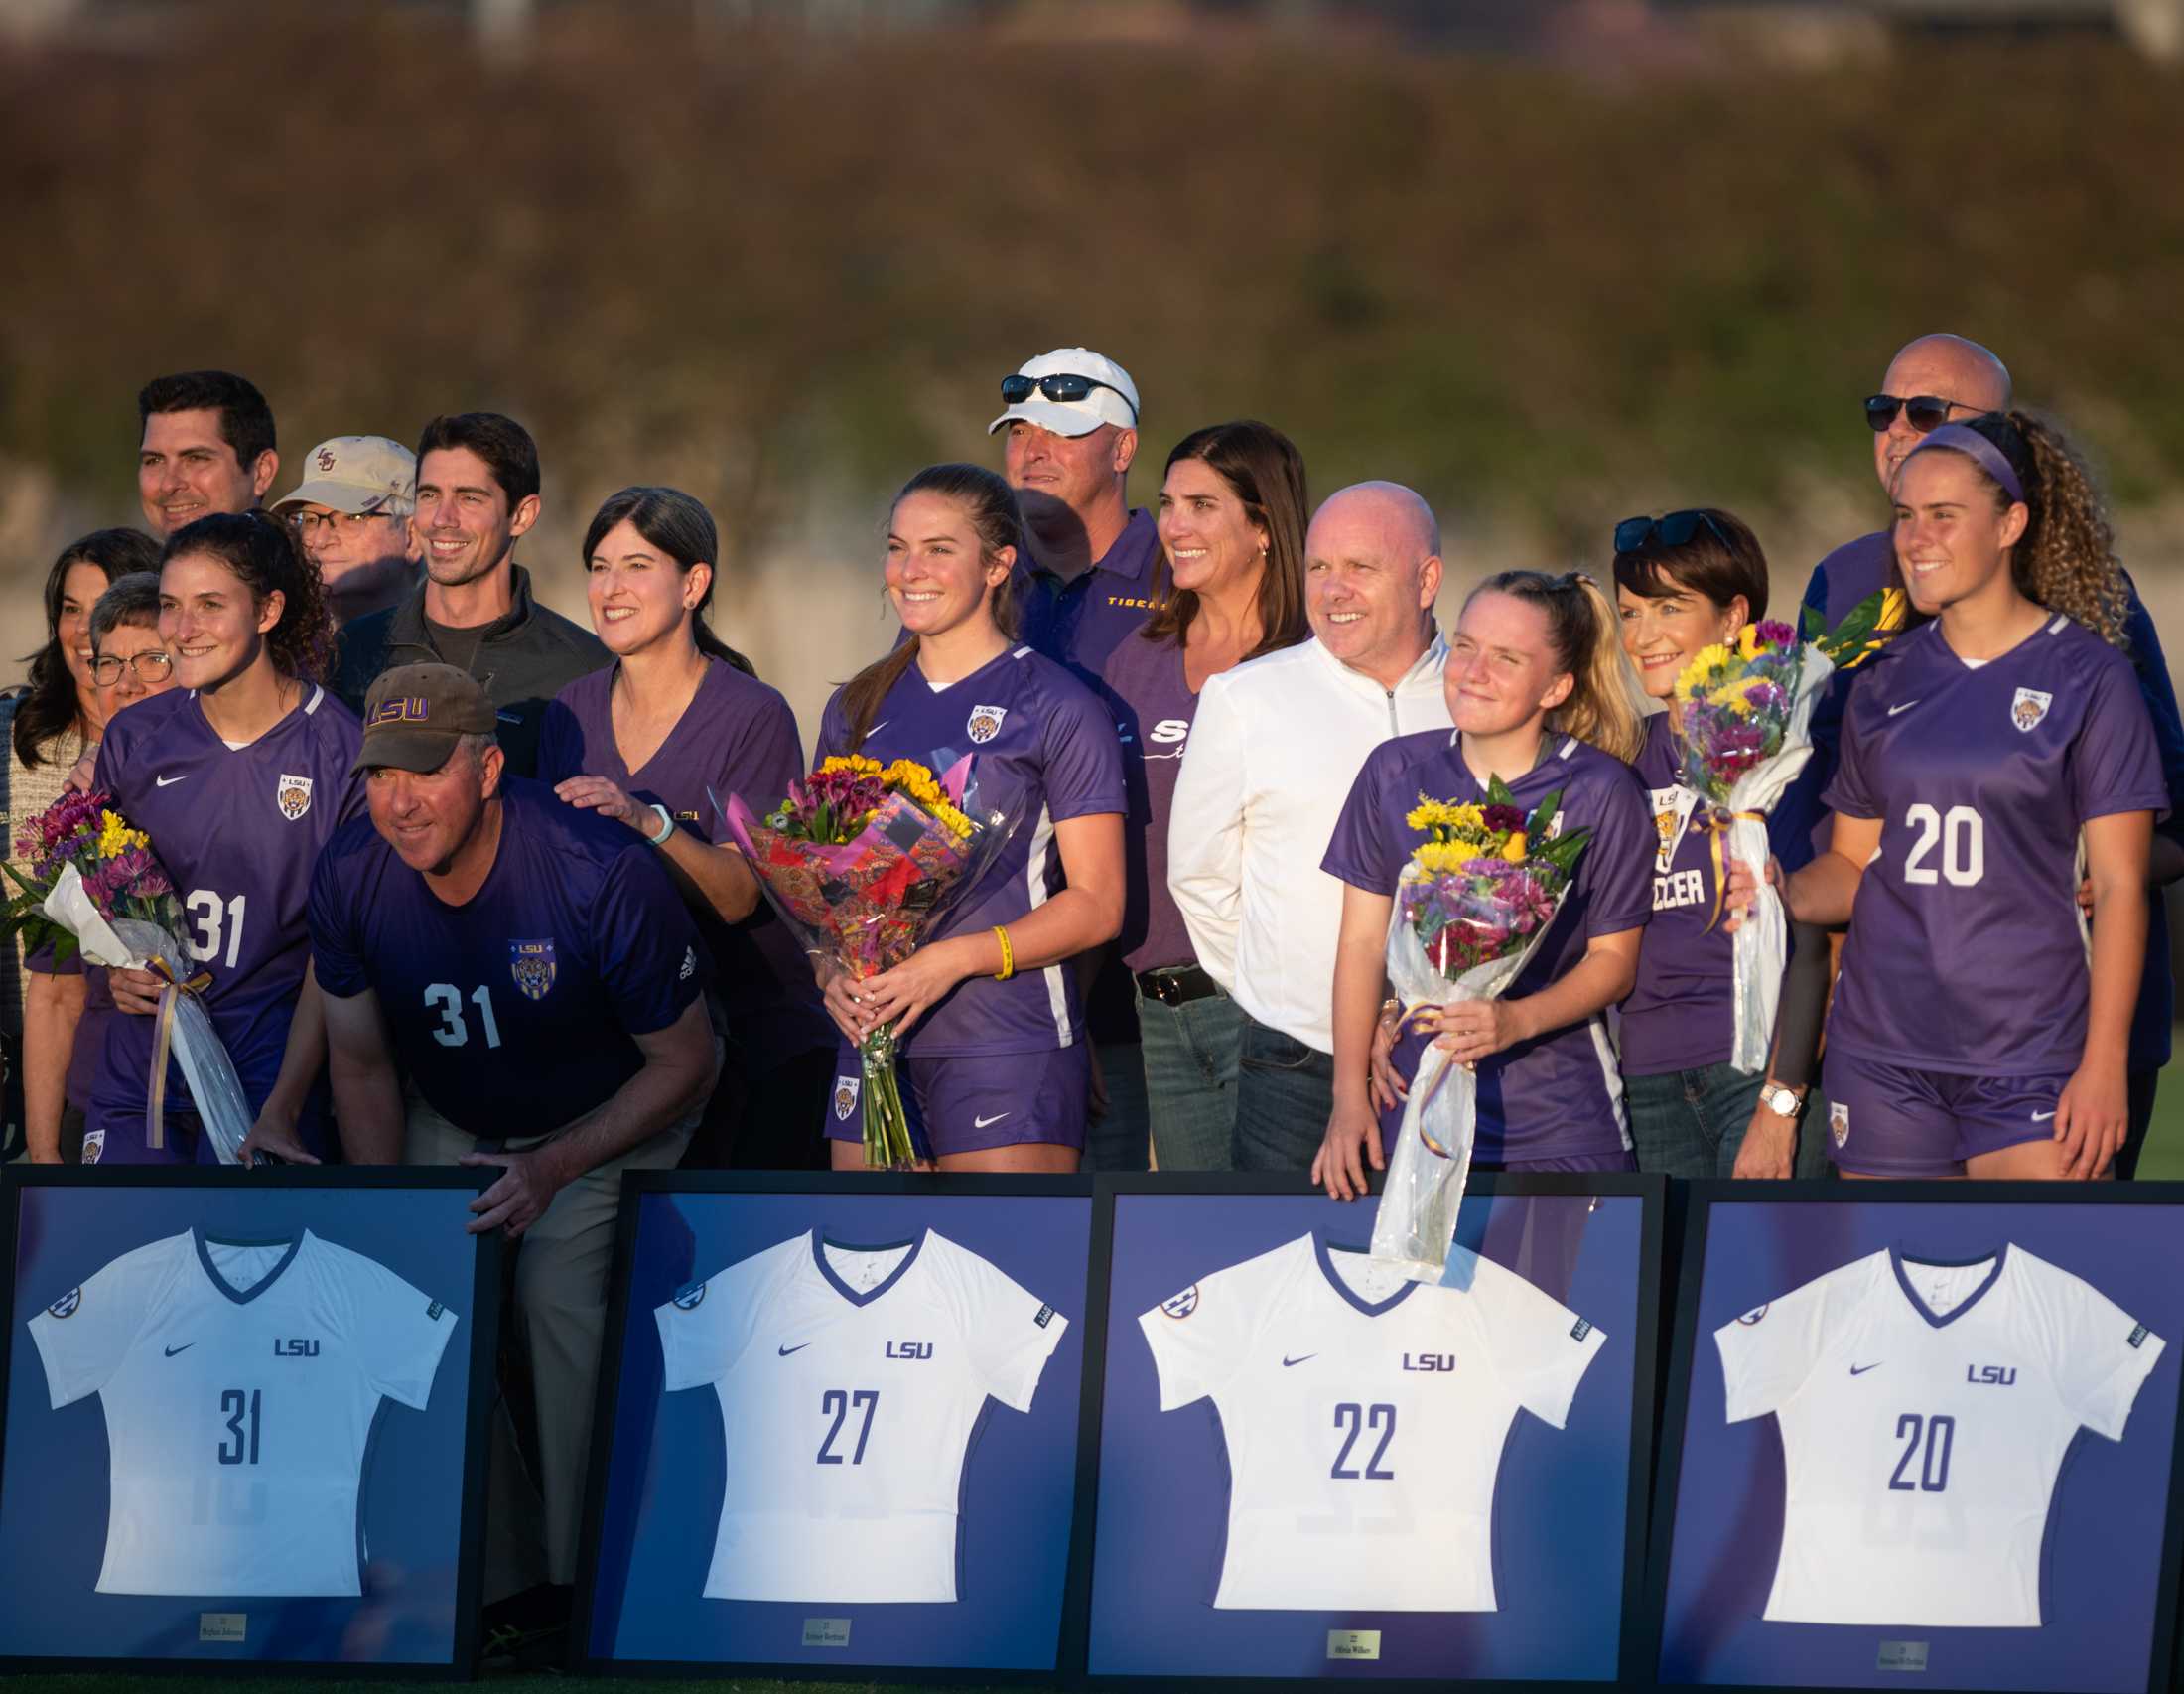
1925	1409
240	1380
1364	1435
852	1382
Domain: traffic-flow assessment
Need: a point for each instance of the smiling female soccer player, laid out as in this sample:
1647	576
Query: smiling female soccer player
1542	698
1975	1029
675	721
238	773
996	1049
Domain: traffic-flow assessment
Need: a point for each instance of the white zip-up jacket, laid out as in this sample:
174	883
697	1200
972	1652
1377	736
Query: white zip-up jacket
1274	750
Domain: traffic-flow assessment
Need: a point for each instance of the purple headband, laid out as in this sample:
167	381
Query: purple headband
1962	438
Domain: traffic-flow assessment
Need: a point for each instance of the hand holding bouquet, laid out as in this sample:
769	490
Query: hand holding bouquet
1742	713
1470	909
95	887
861	860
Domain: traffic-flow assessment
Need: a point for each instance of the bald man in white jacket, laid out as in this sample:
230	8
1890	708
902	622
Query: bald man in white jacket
1272	752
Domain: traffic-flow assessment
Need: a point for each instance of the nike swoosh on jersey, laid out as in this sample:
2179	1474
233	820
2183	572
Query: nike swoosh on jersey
2042	1117
185	1348
1862	1369
1300	1359
798	1347
982	1122
1905	707
170	781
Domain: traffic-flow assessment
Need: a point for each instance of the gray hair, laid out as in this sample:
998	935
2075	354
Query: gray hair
476	746
131	599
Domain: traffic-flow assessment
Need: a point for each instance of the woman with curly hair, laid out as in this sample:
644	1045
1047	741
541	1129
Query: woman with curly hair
1989	759
238	773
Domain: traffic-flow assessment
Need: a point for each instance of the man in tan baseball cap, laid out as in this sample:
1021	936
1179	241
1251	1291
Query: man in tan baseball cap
352	513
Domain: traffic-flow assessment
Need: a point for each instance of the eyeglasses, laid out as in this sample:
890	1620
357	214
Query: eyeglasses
1925	411
309	524
1062	386
150	665
1673	530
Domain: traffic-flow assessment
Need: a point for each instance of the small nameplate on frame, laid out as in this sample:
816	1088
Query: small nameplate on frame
826	1631
1353	1644
224	1626
1901	1655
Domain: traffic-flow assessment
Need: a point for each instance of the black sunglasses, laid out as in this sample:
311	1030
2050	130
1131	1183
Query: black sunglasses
1926	411
1673	530
1062	386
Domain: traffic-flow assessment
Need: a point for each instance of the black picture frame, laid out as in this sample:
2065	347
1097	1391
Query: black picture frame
484	1314
1649	1191
584	1659
1700	1199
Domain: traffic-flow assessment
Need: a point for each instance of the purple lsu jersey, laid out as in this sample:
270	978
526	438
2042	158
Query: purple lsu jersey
1677	1016
1044	752
736	737
513	1012
1558	1096
1966	952
238	829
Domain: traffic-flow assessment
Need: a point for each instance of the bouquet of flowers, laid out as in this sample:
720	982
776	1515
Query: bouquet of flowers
861	860
95	887
1470	909
1742	713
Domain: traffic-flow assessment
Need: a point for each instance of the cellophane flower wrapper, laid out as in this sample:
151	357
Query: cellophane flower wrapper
122	914
866	904
1743	717
1485	921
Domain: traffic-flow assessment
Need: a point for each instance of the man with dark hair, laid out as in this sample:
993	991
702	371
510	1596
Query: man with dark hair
207	446
477	496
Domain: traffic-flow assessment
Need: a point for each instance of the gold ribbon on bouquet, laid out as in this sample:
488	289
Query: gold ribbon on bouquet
1716	824
163	1032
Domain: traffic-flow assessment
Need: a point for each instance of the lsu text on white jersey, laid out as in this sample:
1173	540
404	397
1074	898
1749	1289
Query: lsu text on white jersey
1925	1409
240	1382
852	1384
1364	1417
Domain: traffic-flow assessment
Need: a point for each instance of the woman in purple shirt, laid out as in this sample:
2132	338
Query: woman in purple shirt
1542	698
1232	519
677	719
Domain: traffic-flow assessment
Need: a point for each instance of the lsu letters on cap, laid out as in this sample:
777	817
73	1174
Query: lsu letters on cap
415	713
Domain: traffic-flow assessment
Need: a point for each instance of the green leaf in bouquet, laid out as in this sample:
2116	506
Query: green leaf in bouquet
1564	850
1542	818
1858	637
1498	795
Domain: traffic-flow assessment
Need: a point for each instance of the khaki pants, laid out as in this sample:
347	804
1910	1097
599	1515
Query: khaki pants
559	1320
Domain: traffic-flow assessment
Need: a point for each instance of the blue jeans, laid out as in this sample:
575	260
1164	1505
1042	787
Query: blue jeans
1117	1139
1191	1054
1284	1094
1691	1123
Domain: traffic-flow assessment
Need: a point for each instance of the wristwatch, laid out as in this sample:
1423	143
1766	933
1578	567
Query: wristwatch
667	827
1783	1103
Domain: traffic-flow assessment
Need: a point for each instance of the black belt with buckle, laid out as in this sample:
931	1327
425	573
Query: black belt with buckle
1176	985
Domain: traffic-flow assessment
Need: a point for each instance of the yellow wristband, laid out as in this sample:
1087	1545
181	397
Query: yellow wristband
1007	956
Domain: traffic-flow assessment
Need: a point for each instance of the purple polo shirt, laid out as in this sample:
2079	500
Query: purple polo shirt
1677	1016
737	737
1154	710
1965	953
1559	1095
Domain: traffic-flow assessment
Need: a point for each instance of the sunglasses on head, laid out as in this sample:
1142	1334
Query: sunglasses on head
1061	386
1673	530
1926	411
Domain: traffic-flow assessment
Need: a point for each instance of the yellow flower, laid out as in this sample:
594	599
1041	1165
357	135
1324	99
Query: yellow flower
1700	673
1892	605
115	837
1514	849
1442	856
851	762
1747	641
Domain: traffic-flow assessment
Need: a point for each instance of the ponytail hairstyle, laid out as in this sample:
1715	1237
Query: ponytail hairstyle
679	526
49	707
991	505
1262	468
263	556
2066	558
1605	706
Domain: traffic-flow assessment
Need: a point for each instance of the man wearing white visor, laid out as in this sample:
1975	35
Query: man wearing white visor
1088	580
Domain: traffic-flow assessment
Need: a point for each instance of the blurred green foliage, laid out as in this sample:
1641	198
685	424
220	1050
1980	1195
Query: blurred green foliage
770	266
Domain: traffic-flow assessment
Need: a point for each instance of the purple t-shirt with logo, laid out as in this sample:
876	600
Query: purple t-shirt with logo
1966	951
513	1012
239	830
1154	709
1679	1016
736	737
1560	1095
1045	753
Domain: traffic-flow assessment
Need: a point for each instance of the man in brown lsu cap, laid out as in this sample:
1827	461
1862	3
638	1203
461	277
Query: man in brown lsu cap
531	970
